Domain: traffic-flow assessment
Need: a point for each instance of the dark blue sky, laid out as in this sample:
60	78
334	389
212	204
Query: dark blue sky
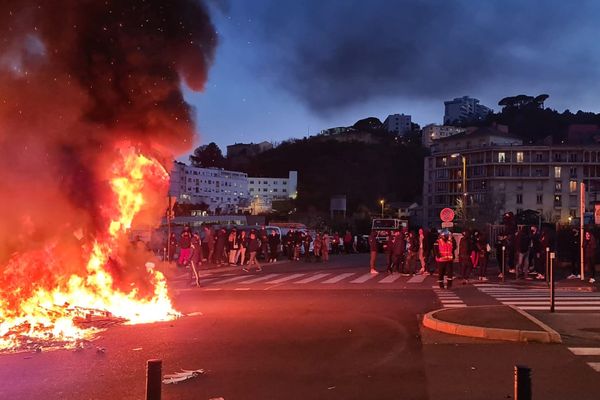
289	68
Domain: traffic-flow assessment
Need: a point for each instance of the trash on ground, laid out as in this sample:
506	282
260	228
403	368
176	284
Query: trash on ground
184	375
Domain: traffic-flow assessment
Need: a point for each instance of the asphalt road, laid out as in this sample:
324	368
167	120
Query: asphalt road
289	341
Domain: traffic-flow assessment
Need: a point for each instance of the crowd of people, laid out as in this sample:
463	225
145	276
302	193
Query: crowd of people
523	253
243	247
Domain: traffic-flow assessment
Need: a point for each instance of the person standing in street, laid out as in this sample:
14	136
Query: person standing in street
209	240
412	254
232	246
464	256
423	247
398	252
325	247
274	241
220	247
445	258
263	237
253	247
242	245
317	246
574	254
589	255
523	243
185	244
373	252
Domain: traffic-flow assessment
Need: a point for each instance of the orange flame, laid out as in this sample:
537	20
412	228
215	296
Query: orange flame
44	311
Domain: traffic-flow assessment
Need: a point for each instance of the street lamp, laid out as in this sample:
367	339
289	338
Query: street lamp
382	202
464	186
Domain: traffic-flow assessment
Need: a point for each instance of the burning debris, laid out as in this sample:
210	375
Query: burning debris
91	110
184	375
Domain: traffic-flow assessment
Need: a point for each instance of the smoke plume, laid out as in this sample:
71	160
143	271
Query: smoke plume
76	78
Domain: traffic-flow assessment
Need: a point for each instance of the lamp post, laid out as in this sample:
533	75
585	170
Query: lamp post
464	186
382	202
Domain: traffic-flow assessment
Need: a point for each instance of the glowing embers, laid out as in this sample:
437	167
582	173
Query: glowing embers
52	297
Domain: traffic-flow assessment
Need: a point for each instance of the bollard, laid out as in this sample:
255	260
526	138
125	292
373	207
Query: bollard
552	256
153	379
522	382
503	262
547	263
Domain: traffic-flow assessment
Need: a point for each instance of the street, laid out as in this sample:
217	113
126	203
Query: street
309	331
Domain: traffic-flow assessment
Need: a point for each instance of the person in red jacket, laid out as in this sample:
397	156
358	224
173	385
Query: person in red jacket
445	259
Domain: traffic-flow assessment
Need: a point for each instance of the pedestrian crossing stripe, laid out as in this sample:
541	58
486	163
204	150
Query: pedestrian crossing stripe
363	278
390	278
585	351
595	366
260	278
286	278
339	277
312	278
305	277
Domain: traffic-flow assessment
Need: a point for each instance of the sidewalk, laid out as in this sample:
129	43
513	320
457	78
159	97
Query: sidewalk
498	322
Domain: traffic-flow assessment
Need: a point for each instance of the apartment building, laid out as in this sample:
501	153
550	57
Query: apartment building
218	188
504	175
464	110
433	132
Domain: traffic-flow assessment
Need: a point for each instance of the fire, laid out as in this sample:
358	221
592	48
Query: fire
46	308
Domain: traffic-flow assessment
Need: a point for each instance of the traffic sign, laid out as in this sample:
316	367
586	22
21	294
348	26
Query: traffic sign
447	214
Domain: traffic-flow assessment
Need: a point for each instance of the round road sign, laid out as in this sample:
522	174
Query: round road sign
447	214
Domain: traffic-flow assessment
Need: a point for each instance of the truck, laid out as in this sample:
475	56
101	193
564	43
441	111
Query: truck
384	229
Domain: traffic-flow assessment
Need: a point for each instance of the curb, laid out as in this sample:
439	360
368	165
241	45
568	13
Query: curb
548	335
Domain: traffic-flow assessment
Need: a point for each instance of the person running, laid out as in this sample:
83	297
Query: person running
373	251
253	247
196	259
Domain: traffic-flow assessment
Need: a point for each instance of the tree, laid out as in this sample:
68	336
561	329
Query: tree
208	156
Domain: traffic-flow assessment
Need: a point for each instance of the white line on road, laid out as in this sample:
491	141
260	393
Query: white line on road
417	278
364	278
390	278
242	288
260	278
313	278
339	277
595	366
234	279
286	278
585	351
454	305
451	301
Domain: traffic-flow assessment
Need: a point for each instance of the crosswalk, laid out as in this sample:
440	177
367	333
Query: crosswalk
590	354
448	298
321	278
539	298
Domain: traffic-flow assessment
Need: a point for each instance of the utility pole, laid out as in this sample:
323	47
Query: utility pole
464	187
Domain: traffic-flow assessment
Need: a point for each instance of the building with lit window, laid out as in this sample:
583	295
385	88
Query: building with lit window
263	191
433	132
398	123
464	110
215	187
504	175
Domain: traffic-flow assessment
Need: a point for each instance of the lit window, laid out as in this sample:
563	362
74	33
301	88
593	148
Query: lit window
557	172
501	157
557	200
572	186
557	186
519	156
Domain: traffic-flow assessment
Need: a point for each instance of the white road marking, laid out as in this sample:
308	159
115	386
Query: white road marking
286	278
313	278
417	278
364	278
585	351
260	278
390	278
595	366
339	277
234	279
